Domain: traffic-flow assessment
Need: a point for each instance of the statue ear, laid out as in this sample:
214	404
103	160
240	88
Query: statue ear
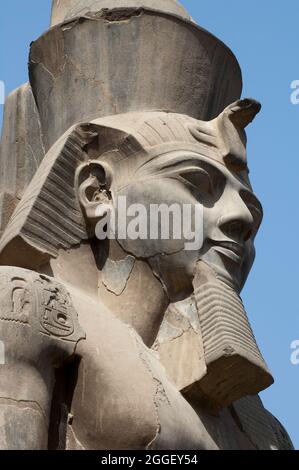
93	182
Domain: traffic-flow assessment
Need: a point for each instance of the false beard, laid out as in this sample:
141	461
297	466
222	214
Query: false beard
235	366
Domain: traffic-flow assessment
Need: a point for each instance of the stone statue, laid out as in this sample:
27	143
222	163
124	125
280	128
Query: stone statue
128	342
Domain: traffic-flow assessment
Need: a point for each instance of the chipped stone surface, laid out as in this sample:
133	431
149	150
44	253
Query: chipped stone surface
68	9
117	273
179	345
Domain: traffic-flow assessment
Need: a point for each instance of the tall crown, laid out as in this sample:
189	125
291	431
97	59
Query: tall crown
119	56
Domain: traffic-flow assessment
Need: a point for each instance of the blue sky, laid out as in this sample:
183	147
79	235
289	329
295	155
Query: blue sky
264	37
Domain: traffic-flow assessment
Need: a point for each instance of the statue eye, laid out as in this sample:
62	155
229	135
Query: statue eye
199	179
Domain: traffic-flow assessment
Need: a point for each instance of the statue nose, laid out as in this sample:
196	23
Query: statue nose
237	224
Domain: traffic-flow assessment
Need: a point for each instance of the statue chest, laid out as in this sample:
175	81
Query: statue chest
123	399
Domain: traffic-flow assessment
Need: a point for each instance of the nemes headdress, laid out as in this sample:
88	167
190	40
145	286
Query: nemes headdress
49	217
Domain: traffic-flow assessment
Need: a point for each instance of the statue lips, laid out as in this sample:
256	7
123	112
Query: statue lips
230	249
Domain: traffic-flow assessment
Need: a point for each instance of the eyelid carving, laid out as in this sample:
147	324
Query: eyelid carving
198	178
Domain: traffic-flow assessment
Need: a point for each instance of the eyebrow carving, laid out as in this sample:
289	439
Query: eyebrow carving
166	165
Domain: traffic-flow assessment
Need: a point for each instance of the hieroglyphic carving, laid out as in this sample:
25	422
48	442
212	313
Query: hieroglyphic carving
32	299
56	311
15	300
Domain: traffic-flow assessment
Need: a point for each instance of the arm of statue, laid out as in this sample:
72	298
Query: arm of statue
39	330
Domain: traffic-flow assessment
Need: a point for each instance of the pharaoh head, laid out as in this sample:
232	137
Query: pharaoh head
149	159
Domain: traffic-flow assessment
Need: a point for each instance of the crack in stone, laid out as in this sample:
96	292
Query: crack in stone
114	269
143	359
34	405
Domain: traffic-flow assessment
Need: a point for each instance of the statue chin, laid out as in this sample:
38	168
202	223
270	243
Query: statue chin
228	267
225	271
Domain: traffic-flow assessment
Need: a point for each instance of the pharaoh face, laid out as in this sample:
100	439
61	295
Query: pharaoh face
224	228
194	189
165	192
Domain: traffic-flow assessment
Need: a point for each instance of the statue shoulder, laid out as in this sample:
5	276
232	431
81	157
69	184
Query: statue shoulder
37	318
